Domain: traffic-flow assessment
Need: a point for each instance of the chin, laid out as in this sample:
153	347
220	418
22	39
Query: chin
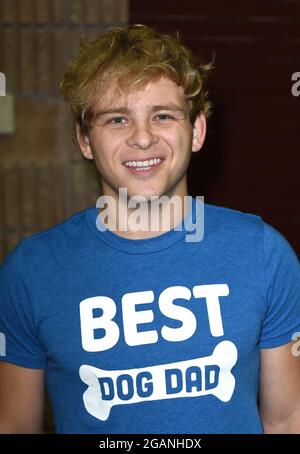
142	195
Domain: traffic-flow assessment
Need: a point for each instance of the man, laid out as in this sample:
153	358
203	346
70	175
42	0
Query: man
140	330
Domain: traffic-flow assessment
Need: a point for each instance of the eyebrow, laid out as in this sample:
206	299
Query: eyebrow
125	110
172	107
114	110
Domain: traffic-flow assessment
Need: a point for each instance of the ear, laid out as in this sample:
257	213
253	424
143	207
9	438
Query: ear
84	143
199	132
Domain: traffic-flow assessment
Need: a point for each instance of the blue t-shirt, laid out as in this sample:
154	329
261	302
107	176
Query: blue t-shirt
157	335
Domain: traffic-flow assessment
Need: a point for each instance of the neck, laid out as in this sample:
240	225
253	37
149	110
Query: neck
138	218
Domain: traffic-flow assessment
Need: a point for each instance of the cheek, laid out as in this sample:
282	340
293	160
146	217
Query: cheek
181	135
181	145
173	139
103	149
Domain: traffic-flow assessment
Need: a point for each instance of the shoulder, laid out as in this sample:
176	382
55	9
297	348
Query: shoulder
54	241
68	230
233	225
247	230
230	216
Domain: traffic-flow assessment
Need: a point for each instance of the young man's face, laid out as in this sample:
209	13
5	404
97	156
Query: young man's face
142	140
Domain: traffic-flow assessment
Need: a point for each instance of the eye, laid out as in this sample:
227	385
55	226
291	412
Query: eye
117	121
163	116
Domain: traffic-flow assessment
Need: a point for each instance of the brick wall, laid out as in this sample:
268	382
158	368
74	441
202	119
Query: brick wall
251	158
43	177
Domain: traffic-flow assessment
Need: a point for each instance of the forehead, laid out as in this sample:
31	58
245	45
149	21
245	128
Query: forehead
157	92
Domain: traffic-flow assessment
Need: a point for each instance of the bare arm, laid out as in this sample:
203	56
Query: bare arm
280	390
22	398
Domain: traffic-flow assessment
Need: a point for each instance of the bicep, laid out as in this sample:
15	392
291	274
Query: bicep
279	397
22	398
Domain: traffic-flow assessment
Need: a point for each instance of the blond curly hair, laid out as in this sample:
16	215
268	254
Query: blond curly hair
131	57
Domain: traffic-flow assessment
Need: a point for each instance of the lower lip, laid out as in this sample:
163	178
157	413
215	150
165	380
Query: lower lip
146	171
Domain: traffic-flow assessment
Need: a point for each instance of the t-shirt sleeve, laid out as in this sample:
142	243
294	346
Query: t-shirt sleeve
19	343
282	290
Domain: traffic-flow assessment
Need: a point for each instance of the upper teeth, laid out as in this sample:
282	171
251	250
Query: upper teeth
150	162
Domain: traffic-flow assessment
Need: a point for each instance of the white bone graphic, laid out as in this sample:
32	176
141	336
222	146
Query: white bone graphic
224	357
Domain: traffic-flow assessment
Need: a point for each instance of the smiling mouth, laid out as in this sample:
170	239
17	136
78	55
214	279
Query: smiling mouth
145	165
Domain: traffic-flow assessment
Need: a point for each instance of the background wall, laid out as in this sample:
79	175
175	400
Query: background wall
251	159
43	177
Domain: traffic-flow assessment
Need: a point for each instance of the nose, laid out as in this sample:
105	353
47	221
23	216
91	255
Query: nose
142	136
